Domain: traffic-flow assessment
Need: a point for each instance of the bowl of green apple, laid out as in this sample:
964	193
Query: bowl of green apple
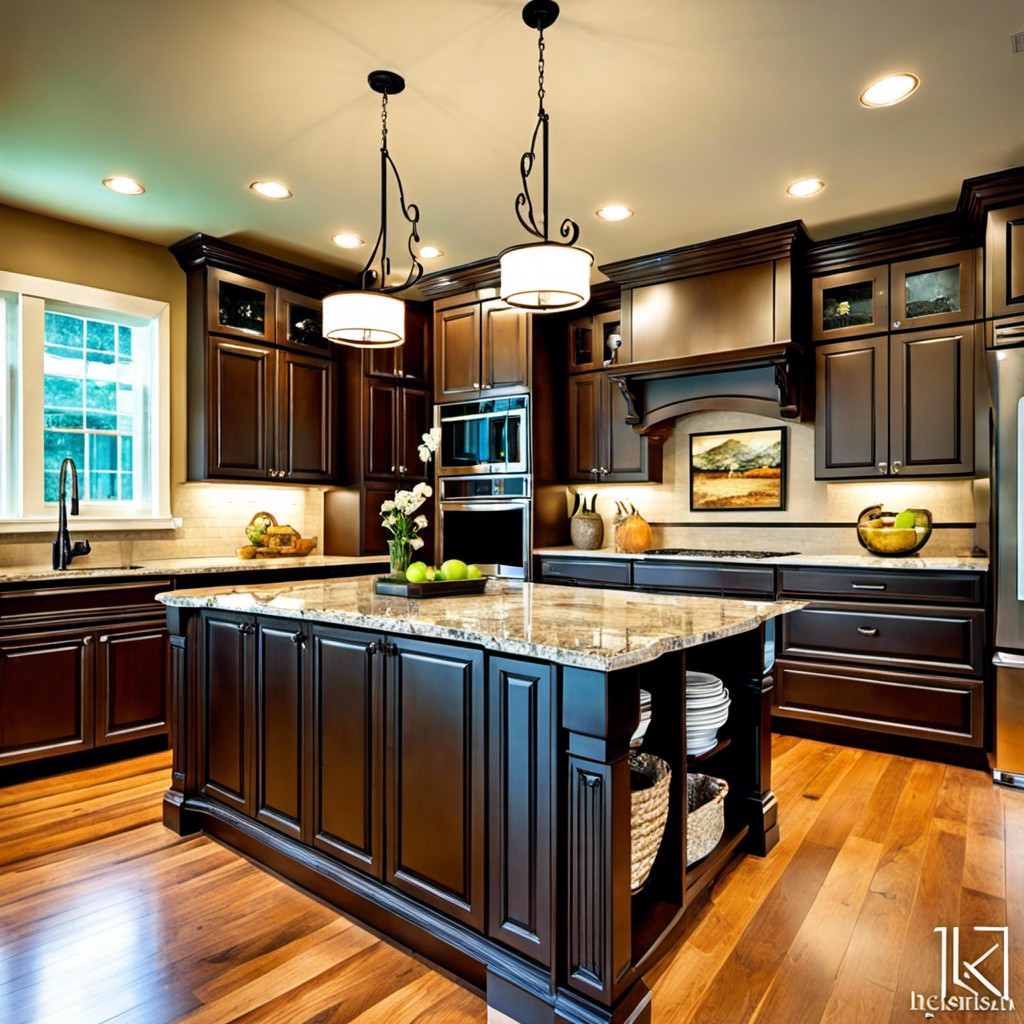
892	534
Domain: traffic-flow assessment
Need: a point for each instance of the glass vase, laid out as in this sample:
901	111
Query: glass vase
400	553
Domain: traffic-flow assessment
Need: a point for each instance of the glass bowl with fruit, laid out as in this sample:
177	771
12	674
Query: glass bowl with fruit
891	534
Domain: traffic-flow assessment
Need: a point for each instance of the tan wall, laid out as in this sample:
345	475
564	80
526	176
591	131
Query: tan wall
213	515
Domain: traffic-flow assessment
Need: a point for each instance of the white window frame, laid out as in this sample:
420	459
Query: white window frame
21	408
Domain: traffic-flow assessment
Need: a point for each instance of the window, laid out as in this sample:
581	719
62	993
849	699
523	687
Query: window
87	380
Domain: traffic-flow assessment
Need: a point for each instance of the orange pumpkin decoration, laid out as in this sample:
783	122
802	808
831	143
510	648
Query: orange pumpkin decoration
633	535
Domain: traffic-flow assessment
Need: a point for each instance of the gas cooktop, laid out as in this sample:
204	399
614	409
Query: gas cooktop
708	553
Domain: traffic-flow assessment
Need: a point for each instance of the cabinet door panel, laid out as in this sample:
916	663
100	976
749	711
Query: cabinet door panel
932	291
240	306
850	304
851	434
413	423
457	352
435	788
625	451
584	412
240	409
227	725
132	684
381	416
505	346
412	358
280	714
46	687
932	401
1004	262
520	805
306	409
347	776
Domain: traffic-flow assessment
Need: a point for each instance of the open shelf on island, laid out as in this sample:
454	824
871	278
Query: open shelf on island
716	749
704	871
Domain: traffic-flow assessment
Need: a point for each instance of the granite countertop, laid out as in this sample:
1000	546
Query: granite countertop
596	629
181	567
955	563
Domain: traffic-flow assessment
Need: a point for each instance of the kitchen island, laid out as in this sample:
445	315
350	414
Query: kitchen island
454	771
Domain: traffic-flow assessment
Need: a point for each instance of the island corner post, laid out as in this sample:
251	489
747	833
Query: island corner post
526	893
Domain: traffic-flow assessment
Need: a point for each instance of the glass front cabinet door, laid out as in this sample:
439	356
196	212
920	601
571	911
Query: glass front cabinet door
299	321
851	304
240	306
933	291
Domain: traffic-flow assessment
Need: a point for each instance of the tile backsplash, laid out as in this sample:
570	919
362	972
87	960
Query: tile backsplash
818	517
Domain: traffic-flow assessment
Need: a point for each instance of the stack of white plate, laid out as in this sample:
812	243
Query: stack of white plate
645	720
707	708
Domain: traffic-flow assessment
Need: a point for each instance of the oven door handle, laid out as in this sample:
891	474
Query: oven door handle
484	505
504	414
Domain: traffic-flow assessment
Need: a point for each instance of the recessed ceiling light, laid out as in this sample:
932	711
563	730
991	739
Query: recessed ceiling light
124	186
615	212
805	187
347	240
271	189
430	252
889	90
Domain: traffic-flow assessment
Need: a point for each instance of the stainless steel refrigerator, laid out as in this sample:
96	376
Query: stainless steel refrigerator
1006	378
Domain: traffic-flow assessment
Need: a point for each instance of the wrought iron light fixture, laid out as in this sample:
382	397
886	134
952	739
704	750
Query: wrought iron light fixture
545	276
372	317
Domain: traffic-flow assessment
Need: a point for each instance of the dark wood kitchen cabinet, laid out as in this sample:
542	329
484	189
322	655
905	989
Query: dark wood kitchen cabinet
270	414
1004	262
595	342
397	418
262	387
410	361
480	349
902	405
861	661
603	447
81	666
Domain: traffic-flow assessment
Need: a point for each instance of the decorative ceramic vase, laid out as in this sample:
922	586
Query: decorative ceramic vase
587	530
400	553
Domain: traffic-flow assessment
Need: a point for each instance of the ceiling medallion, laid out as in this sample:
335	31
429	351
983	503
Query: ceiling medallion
372	317
545	276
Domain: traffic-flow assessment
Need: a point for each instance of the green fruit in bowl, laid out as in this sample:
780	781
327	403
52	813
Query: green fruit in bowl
431	574
416	573
474	573
453	569
906	520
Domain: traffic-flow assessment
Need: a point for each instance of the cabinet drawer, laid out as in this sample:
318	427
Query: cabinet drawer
921	707
705	579
47	605
882	584
930	639
593	572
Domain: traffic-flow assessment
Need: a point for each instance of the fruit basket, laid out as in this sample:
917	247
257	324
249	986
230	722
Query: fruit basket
892	535
268	539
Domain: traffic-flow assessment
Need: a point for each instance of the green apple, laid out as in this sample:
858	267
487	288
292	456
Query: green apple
905	521
431	574
474	573
417	572
453	569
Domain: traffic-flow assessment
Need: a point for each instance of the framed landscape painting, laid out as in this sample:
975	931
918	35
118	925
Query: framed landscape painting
738	470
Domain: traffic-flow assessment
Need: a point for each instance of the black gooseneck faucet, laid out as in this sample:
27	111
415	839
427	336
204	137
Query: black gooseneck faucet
63	550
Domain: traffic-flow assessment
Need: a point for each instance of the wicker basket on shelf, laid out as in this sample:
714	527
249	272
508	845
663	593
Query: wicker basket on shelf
649	798
705	815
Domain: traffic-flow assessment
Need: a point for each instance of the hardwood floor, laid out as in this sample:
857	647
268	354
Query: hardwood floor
105	916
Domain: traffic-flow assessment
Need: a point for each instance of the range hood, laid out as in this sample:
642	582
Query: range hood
769	380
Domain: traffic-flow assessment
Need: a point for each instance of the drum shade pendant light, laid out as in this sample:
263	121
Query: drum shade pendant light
545	276
372	317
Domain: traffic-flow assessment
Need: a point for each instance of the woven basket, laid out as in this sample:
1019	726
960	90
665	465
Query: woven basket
705	815
649	814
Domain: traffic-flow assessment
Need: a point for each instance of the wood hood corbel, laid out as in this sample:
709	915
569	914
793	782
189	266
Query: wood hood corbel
769	380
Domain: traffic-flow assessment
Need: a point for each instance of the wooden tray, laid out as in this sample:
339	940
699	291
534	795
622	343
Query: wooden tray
439	588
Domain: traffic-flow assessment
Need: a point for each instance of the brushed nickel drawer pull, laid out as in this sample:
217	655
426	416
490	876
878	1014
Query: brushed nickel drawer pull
867	630
868	586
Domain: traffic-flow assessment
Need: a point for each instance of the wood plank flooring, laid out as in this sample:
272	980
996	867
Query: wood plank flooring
108	918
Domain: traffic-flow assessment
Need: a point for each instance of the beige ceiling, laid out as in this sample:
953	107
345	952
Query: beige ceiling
695	113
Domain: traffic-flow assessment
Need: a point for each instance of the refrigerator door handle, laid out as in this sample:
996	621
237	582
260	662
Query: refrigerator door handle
1003	660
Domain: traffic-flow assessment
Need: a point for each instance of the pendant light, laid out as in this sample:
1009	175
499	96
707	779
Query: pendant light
545	276
372	317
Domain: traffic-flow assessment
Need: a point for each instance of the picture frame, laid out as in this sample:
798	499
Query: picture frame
739	470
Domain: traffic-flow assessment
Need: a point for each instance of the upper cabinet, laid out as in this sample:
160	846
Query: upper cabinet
595	342
262	379
408	362
1004	263
913	294
480	347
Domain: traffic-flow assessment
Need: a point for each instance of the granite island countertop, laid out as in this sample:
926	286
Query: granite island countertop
587	628
180	567
945	563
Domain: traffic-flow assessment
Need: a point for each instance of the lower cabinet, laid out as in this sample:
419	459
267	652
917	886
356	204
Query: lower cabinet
80	669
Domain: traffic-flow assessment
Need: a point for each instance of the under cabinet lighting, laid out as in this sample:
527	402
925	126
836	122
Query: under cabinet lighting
347	240
124	186
271	189
614	212
889	90
805	187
